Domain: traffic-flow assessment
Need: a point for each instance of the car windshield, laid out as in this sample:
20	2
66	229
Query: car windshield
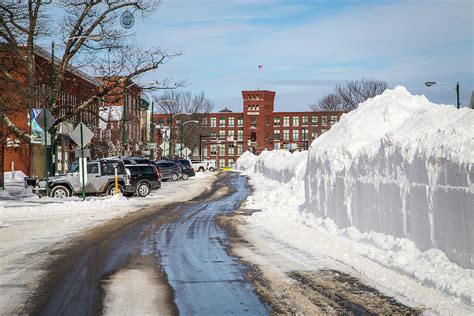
74	167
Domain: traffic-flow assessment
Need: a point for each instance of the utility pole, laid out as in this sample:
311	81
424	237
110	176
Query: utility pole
124	118
171	135
152	128
457	94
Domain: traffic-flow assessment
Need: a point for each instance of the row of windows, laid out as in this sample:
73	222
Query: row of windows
223	121
325	119
253	107
220	149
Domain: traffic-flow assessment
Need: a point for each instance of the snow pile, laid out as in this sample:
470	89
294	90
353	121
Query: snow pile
390	186
402	166
246	161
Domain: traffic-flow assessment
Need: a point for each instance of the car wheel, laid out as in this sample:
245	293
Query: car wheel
143	189
185	176
60	191
111	189
211	169
201	169
174	177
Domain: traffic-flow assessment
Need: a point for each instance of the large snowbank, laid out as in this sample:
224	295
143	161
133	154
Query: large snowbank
395	177
402	166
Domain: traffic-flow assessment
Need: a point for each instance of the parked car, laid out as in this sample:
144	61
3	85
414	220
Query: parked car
186	169
169	170
199	166
211	165
135	160
143	179
100	180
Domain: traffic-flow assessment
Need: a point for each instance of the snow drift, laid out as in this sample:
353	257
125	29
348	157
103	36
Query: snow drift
398	165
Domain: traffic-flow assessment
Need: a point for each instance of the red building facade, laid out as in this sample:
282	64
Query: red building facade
258	127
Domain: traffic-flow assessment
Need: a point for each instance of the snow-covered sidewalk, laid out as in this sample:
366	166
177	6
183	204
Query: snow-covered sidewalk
30	228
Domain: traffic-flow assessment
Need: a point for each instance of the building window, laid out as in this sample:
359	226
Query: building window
213	149
314	133
314	120
276	146
221	163
253	121
204	121
230	150
161	122
213	122
240	134
230	134
213	135
230	162
221	150
240	149
221	121
333	119
304	134
222	135
286	121
276	121
324	120
296	135
231	122
276	135
204	152
240	122
304	120
296	121
286	135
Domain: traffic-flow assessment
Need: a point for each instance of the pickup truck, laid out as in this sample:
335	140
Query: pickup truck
204	165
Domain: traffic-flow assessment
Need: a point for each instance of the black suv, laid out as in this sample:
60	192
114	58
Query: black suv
186	169
169	169
143	179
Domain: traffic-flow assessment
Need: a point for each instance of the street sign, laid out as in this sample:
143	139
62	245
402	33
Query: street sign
50	119
152	145
78	152
87	134
164	146
186	151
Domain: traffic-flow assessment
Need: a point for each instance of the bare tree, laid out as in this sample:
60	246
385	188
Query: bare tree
195	105
348	96
115	58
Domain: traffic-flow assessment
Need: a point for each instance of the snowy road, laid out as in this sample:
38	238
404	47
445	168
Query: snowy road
205	279
97	273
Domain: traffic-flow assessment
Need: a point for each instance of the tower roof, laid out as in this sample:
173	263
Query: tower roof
225	110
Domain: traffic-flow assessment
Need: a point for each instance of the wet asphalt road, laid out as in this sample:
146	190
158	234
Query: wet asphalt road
185	241
205	279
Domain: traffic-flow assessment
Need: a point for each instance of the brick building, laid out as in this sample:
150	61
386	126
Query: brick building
77	87
226	135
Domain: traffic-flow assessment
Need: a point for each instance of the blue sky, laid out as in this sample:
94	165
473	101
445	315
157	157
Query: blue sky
307	47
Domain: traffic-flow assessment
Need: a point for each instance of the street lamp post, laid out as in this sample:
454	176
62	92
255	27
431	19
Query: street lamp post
187	122
152	124
171	129
432	83
124	113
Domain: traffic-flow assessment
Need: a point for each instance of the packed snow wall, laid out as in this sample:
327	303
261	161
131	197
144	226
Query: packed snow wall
399	165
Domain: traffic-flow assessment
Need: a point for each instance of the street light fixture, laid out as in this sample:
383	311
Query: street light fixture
432	83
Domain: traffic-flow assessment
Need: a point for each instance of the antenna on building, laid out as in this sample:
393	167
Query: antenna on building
260	68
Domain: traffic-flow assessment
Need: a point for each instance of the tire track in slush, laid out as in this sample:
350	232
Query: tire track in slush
205	279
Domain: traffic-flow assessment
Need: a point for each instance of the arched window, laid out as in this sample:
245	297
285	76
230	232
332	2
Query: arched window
253	137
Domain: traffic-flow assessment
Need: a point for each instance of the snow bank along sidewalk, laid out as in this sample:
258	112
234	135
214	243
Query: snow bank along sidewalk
31	228
392	179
